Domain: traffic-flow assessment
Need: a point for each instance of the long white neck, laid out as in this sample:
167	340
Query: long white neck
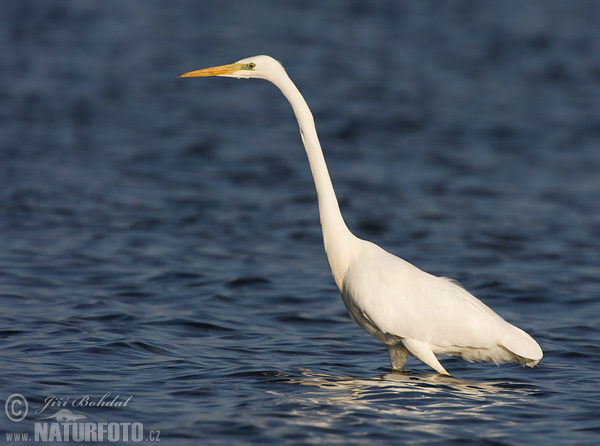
341	246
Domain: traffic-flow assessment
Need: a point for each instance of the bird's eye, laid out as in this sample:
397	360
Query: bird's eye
251	65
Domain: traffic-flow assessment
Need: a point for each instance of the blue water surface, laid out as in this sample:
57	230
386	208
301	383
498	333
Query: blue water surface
160	242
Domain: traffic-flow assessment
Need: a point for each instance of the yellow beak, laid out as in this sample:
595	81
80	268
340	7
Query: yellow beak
222	70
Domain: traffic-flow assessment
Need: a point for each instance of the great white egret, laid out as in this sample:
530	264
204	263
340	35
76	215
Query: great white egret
407	309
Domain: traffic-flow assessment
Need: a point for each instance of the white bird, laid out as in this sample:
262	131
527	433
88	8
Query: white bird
407	309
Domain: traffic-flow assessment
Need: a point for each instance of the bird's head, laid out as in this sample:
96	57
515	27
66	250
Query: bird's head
259	67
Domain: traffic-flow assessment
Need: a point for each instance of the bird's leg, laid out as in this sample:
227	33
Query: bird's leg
423	353
398	355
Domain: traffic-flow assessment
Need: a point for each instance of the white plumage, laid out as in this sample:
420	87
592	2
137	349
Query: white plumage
410	311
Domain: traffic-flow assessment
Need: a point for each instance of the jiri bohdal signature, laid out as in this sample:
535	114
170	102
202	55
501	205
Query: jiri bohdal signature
106	400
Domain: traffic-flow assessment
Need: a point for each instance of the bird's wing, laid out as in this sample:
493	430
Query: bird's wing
403	301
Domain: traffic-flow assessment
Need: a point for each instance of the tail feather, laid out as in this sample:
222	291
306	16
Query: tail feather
523	346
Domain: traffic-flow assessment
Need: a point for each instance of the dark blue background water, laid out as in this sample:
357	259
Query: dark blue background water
159	236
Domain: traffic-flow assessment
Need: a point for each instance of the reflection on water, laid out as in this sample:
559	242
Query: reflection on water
425	402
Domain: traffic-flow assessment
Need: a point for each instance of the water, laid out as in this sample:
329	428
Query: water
160	239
